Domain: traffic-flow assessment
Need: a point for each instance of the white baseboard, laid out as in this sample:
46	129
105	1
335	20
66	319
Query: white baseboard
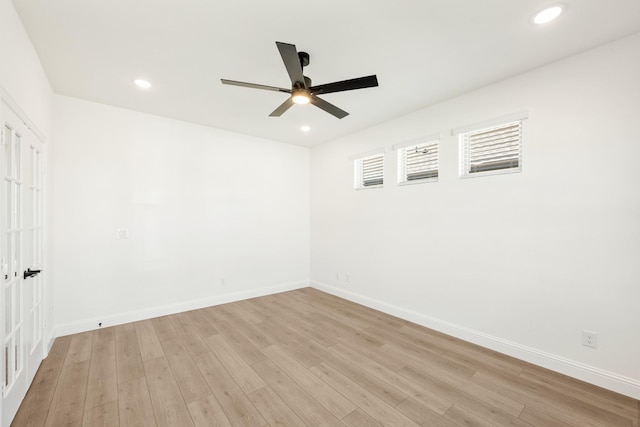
149	313
605	379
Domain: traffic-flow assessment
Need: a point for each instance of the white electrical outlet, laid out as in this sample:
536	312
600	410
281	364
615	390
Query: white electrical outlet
589	339
347	278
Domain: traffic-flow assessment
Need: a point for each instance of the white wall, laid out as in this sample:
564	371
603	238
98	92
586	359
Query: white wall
201	206
520	262
21	74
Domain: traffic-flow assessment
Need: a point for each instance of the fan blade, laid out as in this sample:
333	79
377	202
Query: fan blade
289	55
282	108
254	86
351	84
328	107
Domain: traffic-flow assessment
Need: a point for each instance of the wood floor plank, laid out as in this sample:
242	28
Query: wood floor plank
102	416
333	401
207	412
479	361
148	341
600	398
306	407
201	324
249	352
357	374
185	371
49	370
537	418
445	369
273	305
134	404
128	359
286	337
254	335
327	302
235	404
554	404
273	409
462	415
432	399
390	361
277	331
192	341
461	390
67	408
35	407
239	310
309	330
473	356
359	418
366	401
344	313
168	406
346	332
216	315
102	385
423	415
259	308
241	372
79	348
164	328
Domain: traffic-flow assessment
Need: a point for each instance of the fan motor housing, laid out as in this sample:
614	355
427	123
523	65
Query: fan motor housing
304	58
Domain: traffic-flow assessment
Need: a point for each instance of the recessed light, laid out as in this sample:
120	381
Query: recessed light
548	14
142	84
305	128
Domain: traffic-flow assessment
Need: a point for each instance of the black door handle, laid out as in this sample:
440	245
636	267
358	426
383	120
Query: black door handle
30	273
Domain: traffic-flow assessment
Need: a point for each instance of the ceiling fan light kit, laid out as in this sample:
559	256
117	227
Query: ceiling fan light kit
301	96
301	90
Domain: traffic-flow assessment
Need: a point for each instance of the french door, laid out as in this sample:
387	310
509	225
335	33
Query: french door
21	234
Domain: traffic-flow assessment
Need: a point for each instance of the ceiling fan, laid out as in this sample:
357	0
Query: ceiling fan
301	90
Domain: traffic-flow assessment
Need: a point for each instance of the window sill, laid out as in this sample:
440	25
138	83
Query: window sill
494	172
370	187
418	181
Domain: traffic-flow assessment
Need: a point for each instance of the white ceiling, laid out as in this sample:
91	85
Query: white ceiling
423	51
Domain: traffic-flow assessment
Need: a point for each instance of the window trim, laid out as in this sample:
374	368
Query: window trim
497	122
400	147
358	183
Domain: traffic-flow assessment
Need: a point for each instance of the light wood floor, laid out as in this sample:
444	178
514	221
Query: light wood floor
300	358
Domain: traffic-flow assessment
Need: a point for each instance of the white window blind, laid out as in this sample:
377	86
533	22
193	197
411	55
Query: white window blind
418	162
491	149
369	171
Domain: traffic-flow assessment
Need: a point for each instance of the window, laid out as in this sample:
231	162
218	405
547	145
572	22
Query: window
369	171
418	162
491	149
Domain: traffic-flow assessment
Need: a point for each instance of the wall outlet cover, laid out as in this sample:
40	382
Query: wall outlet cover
590	339
122	233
